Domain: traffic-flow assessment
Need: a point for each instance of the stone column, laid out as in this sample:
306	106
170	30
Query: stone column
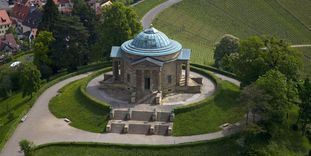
187	73
122	70
142	80
159	80
115	69
178	72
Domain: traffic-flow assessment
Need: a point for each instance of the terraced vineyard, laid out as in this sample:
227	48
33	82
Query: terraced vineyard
200	24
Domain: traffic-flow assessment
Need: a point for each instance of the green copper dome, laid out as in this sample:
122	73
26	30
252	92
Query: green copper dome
151	42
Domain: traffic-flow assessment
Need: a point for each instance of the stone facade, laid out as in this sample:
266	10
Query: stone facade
151	66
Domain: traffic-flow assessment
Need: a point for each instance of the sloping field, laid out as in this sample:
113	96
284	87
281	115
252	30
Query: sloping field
200	24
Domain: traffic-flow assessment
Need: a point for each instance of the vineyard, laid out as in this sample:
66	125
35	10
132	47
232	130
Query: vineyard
200	24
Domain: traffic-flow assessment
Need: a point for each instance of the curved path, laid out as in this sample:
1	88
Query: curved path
43	127
150	15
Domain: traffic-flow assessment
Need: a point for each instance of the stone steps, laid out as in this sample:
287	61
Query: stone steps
134	121
141	115
139	127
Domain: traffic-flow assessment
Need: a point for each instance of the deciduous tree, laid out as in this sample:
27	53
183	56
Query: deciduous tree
227	45
117	24
30	79
42	51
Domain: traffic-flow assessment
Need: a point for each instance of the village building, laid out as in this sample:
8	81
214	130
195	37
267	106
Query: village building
5	22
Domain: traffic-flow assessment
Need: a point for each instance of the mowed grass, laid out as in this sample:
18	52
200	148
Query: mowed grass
82	112
200	24
143	7
212	148
223	108
15	104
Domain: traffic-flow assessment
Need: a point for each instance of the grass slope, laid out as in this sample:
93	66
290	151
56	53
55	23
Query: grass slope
200	24
218	110
213	148
143	7
16	104
82	112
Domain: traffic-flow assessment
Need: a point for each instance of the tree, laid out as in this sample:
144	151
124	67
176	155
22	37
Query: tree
42	50
280	56
227	45
274	83
305	105
50	16
70	48
256	56
117	24
27	147
87	17
255	99
30	79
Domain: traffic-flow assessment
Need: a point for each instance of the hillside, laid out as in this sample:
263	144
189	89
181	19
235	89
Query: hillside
200	24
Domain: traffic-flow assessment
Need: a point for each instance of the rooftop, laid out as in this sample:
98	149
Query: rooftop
151	42
4	18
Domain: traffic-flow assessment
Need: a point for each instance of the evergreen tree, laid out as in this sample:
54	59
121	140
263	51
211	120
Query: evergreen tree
70	47
50	16
87	17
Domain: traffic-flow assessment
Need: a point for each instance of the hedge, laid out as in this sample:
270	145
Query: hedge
129	146
94	100
216	70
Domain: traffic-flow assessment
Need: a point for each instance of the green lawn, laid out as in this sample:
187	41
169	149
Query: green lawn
222	108
16	104
213	148
82	112
143	7
200	24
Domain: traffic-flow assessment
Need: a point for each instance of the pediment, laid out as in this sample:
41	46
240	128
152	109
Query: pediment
147	62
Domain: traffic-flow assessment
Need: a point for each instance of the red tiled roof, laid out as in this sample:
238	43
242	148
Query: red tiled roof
20	11
4	18
9	40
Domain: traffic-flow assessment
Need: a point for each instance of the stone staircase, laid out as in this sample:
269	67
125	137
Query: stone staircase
134	121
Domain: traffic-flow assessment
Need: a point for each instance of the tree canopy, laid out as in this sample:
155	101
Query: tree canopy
42	50
117	24
256	56
227	45
70	48
30	79
50	16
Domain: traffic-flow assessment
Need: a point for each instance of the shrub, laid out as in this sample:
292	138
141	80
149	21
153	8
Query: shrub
27	147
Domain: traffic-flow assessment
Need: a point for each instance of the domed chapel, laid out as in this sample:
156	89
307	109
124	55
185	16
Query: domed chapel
152	66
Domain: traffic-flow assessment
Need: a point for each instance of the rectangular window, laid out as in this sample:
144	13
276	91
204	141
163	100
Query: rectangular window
128	77
169	79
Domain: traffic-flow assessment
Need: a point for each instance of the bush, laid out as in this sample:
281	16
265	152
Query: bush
27	147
